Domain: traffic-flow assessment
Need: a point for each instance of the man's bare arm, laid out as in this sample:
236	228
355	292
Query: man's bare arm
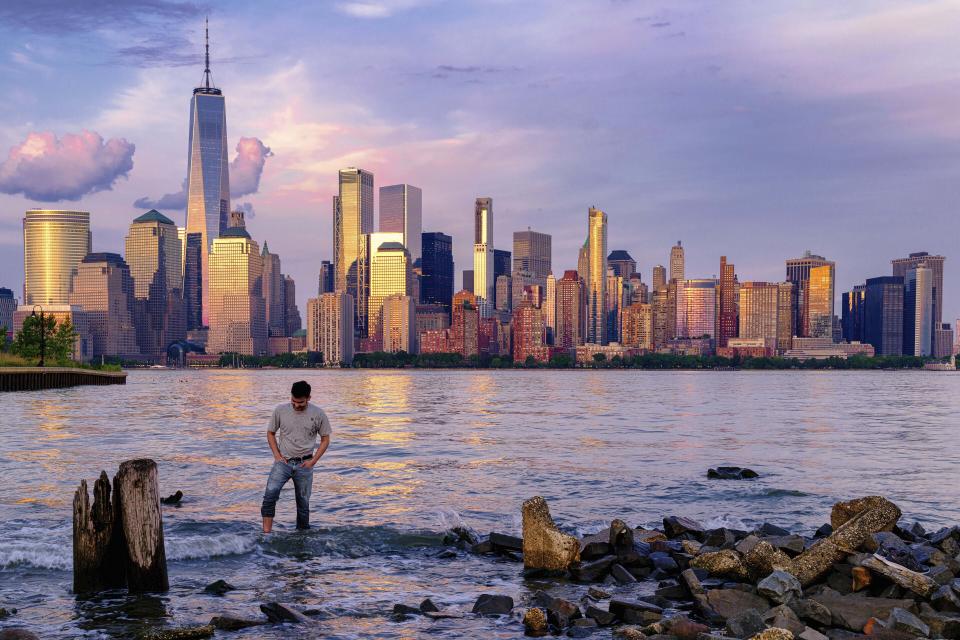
324	443
272	441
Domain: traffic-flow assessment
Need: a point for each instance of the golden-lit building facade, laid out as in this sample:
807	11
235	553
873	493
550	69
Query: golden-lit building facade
352	221
661	319
677	268
398	324
800	273
54	243
484	284
696	308
659	277
237	309
330	327
103	287
820	301
390	274
760	311
637	329
786	320
597	280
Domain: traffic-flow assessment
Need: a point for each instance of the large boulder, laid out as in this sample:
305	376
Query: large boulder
725	563
852	611
728	603
493	605
676	526
763	559
843	512
544	545
746	623
783	617
635	611
780	587
535	622
621	538
774	633
902	620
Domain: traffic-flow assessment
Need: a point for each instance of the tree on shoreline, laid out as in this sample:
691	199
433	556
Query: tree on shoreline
59	339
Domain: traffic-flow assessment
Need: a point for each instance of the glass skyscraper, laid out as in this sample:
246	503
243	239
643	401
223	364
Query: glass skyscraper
437	266
208	180
54	243
596	283
352	221
401	211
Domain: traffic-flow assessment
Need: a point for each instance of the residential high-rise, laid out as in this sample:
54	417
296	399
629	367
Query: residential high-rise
659	277
398	323
389	275
918	334
696	308
597	281
504	293
529	334
401	211
330	327
193	250
676	262
622	264
883	315
326	278
759	312
501	267
785	318
273	296
637	329
437	266
238	321
464	324
570	310
943	341
852	314
615	302
661	319
813	307
483	278
54	243
8	305
935	264
353	221
291	314
727	310
549	307
208	179
152	252
532	252
583	264
103	287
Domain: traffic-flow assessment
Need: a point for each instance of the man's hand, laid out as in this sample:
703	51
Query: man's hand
308	464
279	458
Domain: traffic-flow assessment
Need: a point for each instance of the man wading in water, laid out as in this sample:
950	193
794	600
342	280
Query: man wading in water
292	435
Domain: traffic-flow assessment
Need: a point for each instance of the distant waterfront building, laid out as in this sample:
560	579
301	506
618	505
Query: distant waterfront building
8	306
943	342
759	313
585	353
883	315
785	318
352	222
614	304
549	307
813	279
152	252
273	293
727	303
532	252
330	327
401	211
935	264
54	243
659	278
390	275
504	293
597	279
326	278
661	319
501	267
583	265
398	322
238	321
483	278
622	263
193	281
291	314
431	317
102	286
570	311
464	324
208	169
677	269
852	314
918	334
822	348
437	266
72	313
696	308
529	334
638	326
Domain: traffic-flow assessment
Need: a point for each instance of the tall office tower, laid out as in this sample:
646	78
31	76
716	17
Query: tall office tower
622	264
637	329
291	314
464	324
520	281
483	279
238	322
671	330
389	275
467	279
917	308
532	251
661	319
883	315
326	278
152	251
501	267
812	317
549	307
8	305
852	314
583	264
273	296
615	302
570	310
696	308
637	290
193	250
398	323
759	311
943	341
353	221
659	277
401	211
54	243
182	236
330	327
597	282
727	309
103	287
208	172
529	334
785	318
676	262
437	266
504	293
935	264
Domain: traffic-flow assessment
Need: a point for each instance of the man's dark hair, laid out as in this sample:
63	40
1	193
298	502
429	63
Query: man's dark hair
300	389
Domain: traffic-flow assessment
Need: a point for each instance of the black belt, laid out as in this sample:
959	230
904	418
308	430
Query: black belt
300	458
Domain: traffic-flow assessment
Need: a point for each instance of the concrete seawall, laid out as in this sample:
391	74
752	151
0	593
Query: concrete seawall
36	378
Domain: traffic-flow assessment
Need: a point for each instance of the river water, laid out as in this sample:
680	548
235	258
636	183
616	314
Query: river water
416	452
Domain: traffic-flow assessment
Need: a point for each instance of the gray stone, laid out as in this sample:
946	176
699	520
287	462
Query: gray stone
676	526
941	575
560	612
229	623
592	571
941	625
277	613
635	611
621	537
597	594
504	542
791	543
780	587
15	633
853	611
811	634
812	611
946	599
621	575
730	602
492	605
746	623
603	618
903	620
672	590
664	562
732	473
219	588
746	545
428	606
400	610
783	617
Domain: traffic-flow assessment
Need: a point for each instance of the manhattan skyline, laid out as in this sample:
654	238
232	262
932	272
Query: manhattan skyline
666	124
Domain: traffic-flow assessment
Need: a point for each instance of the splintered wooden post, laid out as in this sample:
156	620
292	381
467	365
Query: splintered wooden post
139	515
98	553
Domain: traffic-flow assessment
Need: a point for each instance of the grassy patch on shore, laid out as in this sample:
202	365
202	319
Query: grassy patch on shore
10	360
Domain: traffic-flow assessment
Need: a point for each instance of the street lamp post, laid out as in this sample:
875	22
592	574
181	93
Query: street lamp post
43	328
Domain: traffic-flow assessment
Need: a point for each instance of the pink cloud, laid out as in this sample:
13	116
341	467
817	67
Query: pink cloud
46	168
247	167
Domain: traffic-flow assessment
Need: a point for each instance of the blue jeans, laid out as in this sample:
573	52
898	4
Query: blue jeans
302	485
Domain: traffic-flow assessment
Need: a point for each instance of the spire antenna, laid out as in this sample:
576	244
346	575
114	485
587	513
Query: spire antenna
206	70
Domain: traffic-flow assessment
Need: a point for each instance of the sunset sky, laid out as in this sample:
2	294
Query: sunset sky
751	129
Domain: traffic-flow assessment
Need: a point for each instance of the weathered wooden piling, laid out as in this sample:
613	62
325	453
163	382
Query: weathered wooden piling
98	552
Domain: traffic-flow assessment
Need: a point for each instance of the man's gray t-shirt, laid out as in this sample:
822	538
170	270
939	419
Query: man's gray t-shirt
297	431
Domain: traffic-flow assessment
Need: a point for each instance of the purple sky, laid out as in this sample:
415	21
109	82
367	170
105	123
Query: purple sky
751	129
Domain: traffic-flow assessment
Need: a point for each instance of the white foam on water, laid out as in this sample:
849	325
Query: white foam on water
209	546
33	553
727	521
